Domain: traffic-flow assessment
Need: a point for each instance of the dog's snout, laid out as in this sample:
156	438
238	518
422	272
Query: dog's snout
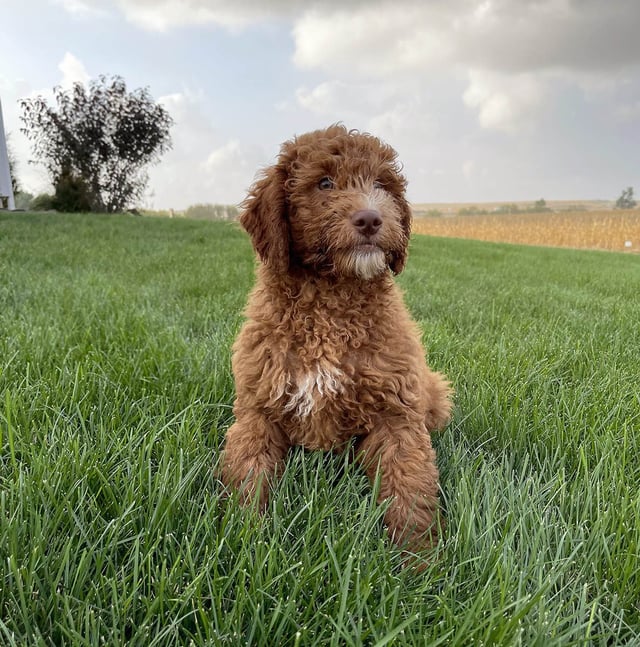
367	221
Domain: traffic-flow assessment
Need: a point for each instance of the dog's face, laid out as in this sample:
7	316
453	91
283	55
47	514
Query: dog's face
334	204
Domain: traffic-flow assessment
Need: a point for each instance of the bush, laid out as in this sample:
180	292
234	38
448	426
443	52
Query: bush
72	193
42	202
23	200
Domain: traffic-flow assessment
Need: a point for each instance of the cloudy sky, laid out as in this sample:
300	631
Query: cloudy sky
484	100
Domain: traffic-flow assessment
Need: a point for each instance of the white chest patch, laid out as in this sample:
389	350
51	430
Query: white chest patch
307	393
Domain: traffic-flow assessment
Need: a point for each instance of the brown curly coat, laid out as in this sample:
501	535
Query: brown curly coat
328	351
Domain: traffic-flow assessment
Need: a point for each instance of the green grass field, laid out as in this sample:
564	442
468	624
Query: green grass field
115	393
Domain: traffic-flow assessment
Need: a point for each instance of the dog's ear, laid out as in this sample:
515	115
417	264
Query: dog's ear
266	220
400	256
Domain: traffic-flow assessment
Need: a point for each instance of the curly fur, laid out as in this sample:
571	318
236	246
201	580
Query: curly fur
328	351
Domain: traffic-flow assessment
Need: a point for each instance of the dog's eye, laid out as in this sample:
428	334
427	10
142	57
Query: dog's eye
325	183
378	185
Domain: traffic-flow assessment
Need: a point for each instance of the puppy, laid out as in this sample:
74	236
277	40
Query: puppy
328	351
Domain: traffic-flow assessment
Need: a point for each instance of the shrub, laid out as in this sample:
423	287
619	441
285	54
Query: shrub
71	193
42	202
23	200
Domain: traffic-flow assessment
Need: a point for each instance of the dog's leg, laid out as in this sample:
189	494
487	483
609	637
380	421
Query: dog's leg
406	462
253	455
439	392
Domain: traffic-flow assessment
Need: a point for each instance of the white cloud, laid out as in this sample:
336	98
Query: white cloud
504	103
505	35
468	169
338	100
509	50
162	15
324	99
407	118
223	156
167	14
203	165
82	9
392	36
563	35
73	71
628	112
229	171
376	40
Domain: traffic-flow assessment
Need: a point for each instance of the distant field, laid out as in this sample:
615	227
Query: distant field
584	224
116	392
608	229
452	208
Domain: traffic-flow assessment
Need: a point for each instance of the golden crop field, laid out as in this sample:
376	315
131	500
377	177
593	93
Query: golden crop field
613	230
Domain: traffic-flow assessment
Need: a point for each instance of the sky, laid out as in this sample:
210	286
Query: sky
484	100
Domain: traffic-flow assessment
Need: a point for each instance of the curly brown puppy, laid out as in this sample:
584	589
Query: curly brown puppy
328	351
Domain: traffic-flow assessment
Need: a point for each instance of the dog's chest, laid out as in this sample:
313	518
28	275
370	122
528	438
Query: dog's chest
328	368
311	402
312	390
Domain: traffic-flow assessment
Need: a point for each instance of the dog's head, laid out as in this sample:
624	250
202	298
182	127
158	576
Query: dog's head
334	203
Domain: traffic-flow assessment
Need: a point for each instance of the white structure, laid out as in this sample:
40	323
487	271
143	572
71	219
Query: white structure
6	190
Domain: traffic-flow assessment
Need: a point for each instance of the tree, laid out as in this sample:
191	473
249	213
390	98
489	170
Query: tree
97	142
539	206
626	201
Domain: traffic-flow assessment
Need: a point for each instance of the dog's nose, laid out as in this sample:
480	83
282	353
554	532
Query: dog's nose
367	221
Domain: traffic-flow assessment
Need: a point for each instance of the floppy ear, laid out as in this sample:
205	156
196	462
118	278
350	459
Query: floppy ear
265	219
400	256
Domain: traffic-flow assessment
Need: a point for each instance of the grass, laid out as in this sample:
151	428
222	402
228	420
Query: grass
115	392
613	230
